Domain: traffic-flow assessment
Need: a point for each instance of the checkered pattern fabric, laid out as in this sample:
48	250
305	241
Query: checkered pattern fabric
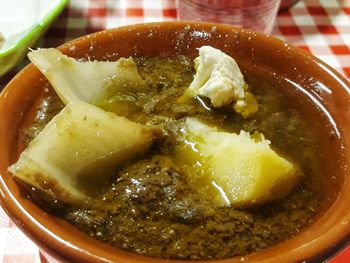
322	27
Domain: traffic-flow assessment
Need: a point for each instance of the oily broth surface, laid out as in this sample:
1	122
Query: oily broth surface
149	208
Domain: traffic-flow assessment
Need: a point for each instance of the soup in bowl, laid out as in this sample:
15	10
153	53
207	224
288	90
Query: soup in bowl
208	142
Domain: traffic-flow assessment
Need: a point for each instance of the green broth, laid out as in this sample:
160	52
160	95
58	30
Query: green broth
150	209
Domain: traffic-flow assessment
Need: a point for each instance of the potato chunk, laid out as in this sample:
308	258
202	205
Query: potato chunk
78	150
234	169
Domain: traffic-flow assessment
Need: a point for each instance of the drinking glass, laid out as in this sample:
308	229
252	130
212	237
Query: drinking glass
258	15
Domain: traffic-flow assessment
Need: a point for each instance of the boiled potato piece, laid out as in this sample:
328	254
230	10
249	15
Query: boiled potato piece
78	150
90	81
219	78
235	169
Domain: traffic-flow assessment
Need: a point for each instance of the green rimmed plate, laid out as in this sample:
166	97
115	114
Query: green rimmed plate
21	34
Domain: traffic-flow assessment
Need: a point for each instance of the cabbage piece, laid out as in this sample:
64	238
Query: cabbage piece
78	150
219	78
234	169
90	81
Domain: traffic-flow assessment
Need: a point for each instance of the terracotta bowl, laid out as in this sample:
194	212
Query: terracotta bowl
328	233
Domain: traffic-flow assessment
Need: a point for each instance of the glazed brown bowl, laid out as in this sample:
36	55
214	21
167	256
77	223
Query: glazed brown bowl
330	230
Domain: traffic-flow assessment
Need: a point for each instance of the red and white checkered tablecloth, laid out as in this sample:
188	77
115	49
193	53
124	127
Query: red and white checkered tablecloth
321	27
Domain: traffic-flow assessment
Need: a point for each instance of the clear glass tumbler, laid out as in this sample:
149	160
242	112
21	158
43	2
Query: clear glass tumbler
258	15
